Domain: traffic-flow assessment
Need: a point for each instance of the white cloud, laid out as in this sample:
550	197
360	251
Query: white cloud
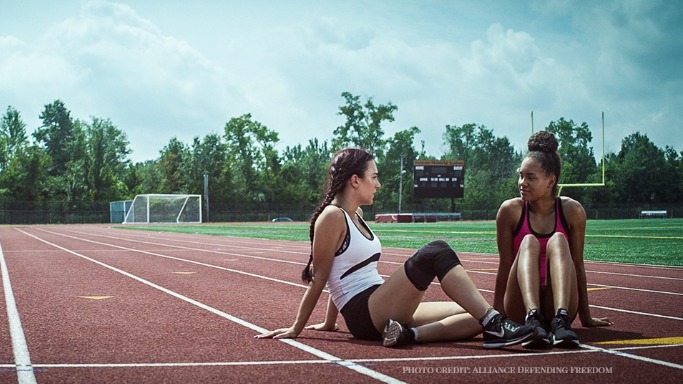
184	70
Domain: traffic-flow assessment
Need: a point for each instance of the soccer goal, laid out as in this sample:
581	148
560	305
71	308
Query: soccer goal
158	208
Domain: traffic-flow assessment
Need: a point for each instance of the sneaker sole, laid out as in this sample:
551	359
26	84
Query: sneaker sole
390	334
507	343
537	343
569	343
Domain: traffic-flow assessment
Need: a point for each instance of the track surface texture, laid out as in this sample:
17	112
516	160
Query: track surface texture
99	304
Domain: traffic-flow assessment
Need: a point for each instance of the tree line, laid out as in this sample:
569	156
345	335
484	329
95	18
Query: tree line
73	160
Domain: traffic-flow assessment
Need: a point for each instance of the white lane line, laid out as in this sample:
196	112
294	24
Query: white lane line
637	289
634	357
367	361
303	286
588	348
316	352
170	257
301	263
636	275
637	312
22	359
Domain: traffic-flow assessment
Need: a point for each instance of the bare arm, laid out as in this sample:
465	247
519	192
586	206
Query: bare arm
330	229
576	218
330	323
506	220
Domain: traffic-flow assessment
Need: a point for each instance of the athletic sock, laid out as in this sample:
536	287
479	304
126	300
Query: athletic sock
415	334
490	314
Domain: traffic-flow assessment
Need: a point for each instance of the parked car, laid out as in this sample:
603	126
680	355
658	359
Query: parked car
278	219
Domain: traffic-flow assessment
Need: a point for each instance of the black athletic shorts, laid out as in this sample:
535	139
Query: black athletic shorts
357	316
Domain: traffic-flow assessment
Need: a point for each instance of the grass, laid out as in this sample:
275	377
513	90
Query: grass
638	241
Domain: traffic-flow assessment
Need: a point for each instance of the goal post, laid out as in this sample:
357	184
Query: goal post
164	208
602	184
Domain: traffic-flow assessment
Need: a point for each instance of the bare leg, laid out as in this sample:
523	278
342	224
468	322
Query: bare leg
396	299
528	274
460	288
399	300
562	275
522	292
444	321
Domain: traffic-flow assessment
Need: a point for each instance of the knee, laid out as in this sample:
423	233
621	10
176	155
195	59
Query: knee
558	237
558	241
530	241
529	246
432	260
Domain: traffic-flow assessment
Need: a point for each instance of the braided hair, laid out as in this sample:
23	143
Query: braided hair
542	147
345	164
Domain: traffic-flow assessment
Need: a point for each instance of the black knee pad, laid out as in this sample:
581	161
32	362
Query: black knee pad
432	260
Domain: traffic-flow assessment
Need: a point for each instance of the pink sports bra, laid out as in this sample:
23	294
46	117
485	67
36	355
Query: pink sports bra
524	228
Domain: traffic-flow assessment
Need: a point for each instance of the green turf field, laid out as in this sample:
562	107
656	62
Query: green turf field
639	241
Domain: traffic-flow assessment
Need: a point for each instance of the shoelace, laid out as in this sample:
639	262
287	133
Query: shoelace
509	326
562	321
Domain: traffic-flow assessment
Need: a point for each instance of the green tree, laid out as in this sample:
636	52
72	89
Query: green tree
107	159
170	164
400	155
363	125
255	162
490	164
640	177
578	159
12	135
672	173
209	156
23	179
146	177
304	171
57	135
72	184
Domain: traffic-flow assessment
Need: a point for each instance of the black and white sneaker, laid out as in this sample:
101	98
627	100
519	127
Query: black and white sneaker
535	319
561	334
503	332
396	335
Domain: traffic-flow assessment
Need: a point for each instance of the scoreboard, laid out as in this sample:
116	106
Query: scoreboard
439	178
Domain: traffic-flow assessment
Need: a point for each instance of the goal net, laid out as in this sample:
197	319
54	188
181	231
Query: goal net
157	208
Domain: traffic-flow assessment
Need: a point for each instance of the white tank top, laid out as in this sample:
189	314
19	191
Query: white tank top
354	268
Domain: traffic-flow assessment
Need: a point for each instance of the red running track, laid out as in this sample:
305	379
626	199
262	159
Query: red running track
99	304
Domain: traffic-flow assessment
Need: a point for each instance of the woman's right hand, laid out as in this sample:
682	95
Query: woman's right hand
281	333
324	327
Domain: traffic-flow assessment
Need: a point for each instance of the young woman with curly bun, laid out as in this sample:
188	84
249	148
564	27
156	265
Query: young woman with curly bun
541	278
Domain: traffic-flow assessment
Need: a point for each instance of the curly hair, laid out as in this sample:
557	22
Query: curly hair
345	163
542	147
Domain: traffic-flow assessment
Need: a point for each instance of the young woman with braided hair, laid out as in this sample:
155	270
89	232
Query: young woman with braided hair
541	278
344	258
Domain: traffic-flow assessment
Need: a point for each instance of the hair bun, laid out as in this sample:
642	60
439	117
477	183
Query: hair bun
543	141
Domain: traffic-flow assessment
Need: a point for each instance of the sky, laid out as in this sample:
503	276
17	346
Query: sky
182	69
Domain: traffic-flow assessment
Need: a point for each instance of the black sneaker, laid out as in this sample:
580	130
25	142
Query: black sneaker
396	335
535	319
502	332
561	334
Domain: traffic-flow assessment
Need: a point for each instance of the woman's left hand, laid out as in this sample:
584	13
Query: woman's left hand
598	322
323	327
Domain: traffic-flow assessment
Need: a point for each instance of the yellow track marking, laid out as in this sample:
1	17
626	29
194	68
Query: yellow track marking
184	273
654	341
95	297
597	289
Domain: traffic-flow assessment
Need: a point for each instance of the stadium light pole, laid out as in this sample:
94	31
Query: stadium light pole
206	194
400	186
